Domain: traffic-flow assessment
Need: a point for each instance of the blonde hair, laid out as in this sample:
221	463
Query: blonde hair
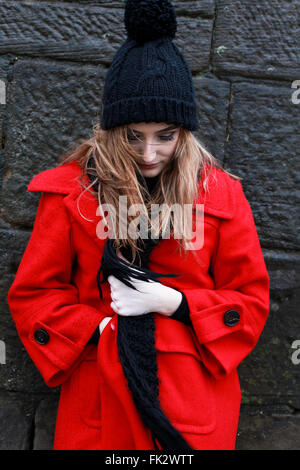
117	169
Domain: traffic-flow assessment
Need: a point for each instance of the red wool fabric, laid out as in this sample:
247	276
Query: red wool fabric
56	307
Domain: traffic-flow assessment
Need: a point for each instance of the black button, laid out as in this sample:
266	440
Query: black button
231	317
41	336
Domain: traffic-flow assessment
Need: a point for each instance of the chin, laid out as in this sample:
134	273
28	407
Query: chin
151	172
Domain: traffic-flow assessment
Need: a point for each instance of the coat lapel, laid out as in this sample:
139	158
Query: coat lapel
218	200
81	206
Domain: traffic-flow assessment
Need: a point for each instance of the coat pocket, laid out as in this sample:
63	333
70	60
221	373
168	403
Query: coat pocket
186	389
89	391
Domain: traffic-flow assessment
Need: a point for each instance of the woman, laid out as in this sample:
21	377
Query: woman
140	318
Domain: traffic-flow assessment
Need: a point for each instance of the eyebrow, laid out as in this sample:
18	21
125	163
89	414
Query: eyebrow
157	132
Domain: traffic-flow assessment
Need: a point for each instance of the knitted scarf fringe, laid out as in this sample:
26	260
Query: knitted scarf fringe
136	344
137	352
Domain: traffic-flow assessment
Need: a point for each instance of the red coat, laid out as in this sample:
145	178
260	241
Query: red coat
56	306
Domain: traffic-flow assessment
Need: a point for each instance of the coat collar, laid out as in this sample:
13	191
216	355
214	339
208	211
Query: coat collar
218	201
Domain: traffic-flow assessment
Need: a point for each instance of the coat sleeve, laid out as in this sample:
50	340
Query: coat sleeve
51	322
229	319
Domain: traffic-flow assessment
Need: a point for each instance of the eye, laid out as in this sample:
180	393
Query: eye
131	137
167	137
164	138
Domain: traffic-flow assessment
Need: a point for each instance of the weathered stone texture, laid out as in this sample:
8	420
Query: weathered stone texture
244	56
268	429
15	422
258	39
5	62
45	418
213	97
46	97
268	375
52	105
92	33
81	32
263	149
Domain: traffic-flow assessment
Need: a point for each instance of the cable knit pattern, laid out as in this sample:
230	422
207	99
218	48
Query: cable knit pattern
137	352
149	81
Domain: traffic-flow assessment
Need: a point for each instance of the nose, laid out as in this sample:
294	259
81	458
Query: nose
149	152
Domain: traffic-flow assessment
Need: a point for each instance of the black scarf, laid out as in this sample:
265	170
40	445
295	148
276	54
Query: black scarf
136	344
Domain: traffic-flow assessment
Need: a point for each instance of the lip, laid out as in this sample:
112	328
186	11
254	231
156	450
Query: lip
149	166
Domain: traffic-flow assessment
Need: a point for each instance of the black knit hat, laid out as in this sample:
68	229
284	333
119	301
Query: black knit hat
149	79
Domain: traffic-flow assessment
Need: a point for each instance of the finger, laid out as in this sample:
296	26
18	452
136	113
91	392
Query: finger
112	290
114	307
113	281
114	297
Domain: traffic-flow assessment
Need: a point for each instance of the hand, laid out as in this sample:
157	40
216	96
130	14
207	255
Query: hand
150	297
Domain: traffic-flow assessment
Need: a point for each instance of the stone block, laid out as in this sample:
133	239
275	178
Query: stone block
61	30
95	32
270	375
53	105
262	148
213	96
16	422
45	418
5	66
265	429
194	40
257	39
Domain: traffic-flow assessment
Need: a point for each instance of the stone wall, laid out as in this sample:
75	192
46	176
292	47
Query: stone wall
244	56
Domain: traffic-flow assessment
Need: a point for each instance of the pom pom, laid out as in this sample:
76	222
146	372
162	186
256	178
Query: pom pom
147	20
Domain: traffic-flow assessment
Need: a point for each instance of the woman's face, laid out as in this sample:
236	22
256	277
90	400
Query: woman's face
155	142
